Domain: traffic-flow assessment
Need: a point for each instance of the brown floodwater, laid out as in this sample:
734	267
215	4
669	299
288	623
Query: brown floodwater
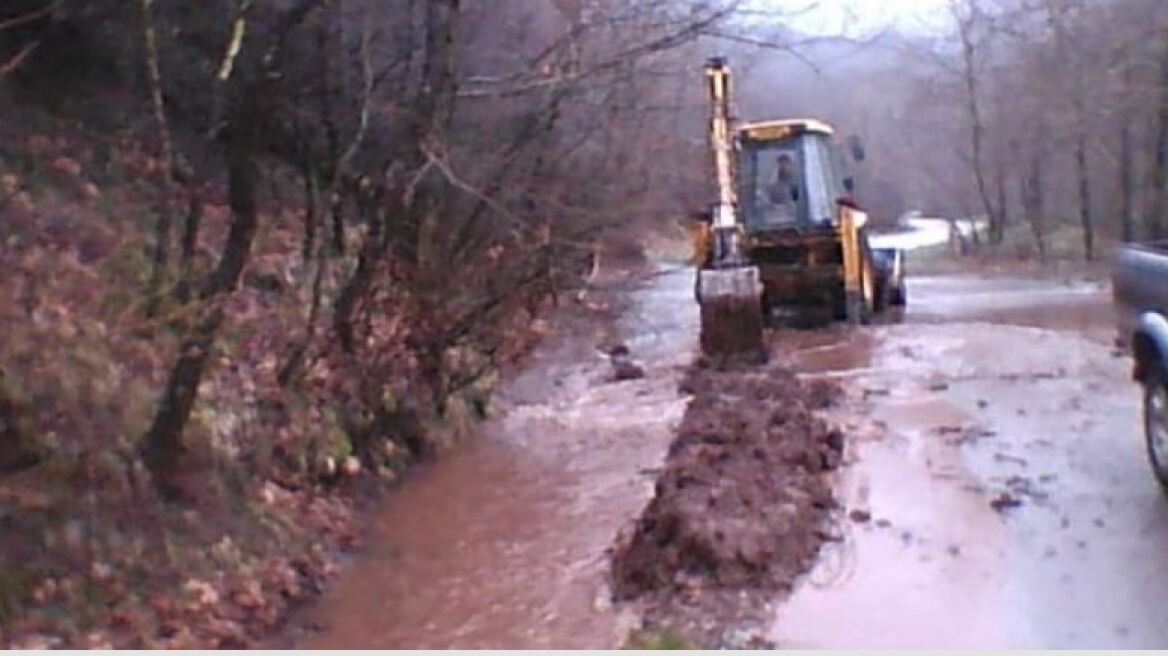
501	543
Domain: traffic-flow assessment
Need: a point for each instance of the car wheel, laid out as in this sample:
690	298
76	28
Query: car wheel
883	296
1156	425
838	302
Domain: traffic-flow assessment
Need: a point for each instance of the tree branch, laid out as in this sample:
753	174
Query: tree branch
29	17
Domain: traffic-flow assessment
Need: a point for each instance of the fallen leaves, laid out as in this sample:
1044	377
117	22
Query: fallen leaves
101	572
67	166
242	592
202	594
249	595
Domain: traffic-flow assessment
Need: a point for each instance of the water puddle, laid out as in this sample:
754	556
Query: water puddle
897	576
1078	307
910	576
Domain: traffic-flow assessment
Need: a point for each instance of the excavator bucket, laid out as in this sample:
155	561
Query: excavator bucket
731	312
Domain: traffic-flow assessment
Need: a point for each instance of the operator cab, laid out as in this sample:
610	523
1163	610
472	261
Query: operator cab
791	174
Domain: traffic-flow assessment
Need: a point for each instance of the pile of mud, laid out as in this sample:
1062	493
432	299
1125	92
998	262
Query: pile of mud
743	503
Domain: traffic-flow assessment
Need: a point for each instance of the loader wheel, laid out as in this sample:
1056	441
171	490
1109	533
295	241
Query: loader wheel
867	296
897	296
883	297
838	303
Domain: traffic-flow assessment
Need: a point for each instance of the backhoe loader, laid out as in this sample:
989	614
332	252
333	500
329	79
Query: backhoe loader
785	236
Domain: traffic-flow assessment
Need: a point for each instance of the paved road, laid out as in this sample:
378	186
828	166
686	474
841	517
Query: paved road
991	389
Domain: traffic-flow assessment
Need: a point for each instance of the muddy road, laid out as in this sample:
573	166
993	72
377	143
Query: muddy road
995	480
999	492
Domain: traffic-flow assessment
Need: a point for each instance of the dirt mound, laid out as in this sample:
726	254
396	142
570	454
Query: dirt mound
743	503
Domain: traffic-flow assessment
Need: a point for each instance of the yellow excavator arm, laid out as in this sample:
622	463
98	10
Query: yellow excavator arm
729	289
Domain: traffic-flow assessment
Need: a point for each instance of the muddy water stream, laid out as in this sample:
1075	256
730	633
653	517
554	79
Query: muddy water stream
502	542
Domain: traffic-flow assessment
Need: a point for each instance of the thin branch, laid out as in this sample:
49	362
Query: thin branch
768	45
443	168
154	75
238	31
620	60
15	63
366	101
29	18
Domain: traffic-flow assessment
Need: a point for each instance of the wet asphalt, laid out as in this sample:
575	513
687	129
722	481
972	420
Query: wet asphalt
999	472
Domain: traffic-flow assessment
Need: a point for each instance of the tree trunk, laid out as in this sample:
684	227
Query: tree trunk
328	103
1085	197
190	243
998	230
1126	183
977	127
359	283
1127	220
311	213
19	449
162	448
299	353
1159	173
164	227
1032	193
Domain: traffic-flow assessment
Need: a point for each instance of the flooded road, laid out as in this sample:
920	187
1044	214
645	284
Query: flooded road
502	542
999	493
996	493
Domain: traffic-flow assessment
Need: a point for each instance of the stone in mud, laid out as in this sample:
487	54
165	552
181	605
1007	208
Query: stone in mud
835	440
1005	501
625	370
1010	459
618	351
821	394
860	516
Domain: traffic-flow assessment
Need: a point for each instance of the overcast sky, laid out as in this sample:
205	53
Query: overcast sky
855	17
